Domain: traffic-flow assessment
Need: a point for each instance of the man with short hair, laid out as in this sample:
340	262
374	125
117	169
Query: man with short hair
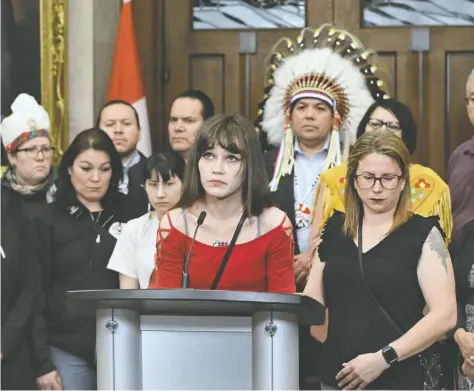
460	178
460	173
119	119
312	122
188	111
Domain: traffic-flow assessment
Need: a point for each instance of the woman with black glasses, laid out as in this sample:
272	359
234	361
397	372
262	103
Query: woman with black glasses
28	180
376	268
26	187
429	194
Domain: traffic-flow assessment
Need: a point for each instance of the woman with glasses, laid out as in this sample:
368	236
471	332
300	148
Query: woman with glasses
28	180
429	194
25	190
377	266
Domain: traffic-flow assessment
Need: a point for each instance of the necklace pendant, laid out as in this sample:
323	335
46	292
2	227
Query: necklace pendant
220	243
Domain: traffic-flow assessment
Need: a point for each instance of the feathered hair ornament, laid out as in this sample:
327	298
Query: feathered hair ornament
328	64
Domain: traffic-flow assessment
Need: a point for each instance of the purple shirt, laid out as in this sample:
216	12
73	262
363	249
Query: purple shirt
460	176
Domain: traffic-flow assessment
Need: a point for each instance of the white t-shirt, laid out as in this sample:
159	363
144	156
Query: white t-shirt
134	252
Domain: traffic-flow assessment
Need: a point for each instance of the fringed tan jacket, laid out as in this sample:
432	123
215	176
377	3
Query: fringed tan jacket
430	197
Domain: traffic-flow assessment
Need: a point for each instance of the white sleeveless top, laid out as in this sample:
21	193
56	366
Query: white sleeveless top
134	253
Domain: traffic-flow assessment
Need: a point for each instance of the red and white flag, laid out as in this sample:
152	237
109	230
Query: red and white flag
126	78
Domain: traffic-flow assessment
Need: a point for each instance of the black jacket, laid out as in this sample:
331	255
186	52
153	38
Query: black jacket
462	255
284	197
19	288
73	251
136	199
23	206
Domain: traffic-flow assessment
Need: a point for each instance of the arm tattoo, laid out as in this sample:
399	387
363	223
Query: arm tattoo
436	243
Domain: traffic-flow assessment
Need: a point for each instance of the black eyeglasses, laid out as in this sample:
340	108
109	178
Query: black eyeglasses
33	152
376	124
388	182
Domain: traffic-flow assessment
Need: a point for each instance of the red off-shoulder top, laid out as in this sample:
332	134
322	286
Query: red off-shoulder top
264	264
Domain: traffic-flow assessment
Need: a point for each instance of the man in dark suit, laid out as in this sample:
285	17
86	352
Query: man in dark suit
119	119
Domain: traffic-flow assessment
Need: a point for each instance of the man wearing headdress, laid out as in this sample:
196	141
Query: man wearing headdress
319	87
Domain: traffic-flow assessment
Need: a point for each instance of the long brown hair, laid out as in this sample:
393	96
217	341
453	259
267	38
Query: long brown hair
385	143
237	135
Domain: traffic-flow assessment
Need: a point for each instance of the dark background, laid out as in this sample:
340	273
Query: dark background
21	63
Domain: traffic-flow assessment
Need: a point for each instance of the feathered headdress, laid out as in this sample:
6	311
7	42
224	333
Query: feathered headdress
328	64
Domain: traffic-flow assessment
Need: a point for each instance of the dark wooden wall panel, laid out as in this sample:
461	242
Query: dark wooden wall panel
175	58
387	64
207	73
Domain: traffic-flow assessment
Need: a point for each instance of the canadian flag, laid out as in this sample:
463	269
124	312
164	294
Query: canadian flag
126	78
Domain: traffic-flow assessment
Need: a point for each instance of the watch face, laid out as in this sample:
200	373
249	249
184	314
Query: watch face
390	355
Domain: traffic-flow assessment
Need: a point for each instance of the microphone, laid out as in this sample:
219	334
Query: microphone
185	280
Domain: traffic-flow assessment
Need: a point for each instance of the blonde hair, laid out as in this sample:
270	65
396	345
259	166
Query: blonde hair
385	143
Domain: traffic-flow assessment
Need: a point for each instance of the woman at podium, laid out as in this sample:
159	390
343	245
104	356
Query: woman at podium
225	233
134	254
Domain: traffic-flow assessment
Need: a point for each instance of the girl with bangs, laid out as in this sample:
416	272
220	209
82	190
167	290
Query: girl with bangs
226	179
134	254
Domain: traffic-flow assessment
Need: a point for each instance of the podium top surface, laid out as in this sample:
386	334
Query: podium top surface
200	302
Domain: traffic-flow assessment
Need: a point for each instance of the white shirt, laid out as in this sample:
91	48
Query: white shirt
307	172
134	252
127	165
